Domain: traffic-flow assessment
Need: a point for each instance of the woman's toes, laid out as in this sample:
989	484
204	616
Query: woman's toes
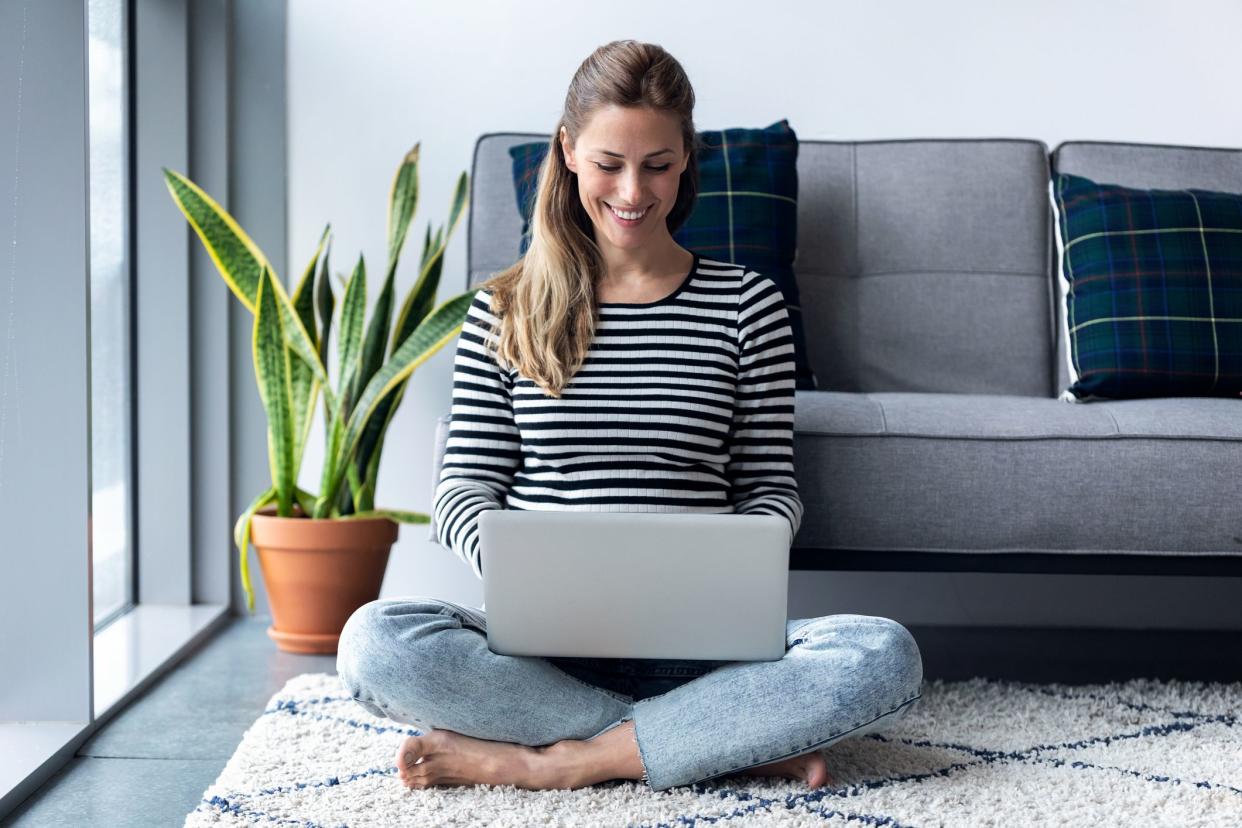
817	774
409	753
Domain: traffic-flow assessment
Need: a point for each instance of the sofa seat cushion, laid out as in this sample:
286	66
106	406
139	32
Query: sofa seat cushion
979	473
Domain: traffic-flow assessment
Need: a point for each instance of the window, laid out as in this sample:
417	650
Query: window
110	283
79	638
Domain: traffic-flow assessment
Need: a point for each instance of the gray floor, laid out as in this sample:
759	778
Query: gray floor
150	764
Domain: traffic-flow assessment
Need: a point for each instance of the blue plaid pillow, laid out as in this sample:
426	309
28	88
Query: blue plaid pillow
1154	289
746	212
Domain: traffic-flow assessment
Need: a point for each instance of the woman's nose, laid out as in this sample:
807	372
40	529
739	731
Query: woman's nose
631	187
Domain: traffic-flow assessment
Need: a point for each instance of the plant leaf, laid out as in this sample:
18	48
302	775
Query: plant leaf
417	305
372	442
402	202
272	373
241	264
349	338
461	197
305	500
236	256
334	436
241	537
418	302
355	486
326	303
392	514
369	479
383	414
434	333
302	380
372	355
422	296
426	248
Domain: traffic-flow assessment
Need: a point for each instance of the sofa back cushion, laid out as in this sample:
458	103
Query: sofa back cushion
922	265
1145	166
493	226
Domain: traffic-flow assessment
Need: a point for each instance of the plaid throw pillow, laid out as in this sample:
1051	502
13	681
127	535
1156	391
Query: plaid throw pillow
746	212
1154	293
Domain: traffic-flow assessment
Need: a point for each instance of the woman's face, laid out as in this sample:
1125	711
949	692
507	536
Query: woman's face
628	159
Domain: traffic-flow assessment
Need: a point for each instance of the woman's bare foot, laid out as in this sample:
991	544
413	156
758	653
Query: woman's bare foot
443	757
809	767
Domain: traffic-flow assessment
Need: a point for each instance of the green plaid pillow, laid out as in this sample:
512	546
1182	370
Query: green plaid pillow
1154	293
746	212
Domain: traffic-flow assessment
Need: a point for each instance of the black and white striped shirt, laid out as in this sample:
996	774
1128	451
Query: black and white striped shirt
682	405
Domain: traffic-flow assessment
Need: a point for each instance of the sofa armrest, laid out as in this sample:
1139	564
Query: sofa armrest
442	432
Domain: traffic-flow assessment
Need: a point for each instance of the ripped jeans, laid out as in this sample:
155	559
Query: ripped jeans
425	662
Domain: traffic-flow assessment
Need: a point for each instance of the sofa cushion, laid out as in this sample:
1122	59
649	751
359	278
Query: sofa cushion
1146	166
1154	293
527	159
746	212
924	265
983	473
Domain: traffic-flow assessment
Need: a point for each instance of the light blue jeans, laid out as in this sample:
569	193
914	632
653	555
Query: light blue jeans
425	662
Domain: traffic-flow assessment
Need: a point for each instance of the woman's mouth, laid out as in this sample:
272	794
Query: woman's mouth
628	218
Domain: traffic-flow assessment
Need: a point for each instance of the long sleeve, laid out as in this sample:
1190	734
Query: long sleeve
484	448
760	467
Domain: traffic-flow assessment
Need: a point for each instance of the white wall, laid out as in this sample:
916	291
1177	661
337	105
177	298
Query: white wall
365	83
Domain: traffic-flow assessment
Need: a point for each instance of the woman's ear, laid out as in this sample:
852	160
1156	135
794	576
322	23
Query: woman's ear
568	151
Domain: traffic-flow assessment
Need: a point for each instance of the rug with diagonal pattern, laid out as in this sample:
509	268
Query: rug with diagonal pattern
971	753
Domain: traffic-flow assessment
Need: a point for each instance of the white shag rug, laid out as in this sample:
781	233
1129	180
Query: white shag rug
970	753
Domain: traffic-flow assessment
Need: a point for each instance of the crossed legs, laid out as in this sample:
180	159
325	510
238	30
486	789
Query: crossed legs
495	719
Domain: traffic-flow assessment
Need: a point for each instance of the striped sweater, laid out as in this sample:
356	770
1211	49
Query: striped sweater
685	404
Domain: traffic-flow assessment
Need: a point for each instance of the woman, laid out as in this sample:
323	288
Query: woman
610	369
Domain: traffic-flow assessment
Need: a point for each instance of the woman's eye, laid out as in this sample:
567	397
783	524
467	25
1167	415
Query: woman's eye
614	169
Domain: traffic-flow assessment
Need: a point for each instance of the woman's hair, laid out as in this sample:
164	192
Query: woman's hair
546	301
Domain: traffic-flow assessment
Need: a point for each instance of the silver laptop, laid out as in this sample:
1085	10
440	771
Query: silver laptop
635	584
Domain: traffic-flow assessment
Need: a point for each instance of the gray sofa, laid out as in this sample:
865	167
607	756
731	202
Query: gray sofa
936	441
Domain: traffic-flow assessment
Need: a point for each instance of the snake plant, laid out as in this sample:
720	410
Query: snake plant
291	352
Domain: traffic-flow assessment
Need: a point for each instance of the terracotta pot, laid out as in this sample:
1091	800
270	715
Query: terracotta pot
317	572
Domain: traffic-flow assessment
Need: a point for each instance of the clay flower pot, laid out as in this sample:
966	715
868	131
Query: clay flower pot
317	573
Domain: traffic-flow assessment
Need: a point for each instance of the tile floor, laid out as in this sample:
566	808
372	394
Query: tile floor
152	762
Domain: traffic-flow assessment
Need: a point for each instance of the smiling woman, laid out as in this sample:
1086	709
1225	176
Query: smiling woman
629	193
620	177
624	189
612	370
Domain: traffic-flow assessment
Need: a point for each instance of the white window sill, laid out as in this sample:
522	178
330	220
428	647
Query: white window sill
135	646
129	655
